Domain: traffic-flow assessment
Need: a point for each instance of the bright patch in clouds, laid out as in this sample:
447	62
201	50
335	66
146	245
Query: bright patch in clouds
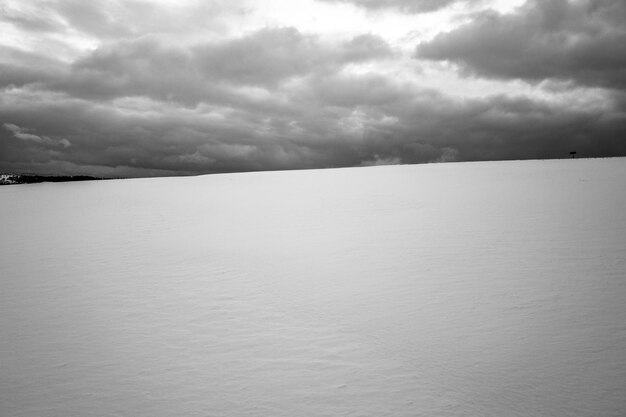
160	87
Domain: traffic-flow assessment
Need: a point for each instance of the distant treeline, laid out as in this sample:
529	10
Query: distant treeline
7	179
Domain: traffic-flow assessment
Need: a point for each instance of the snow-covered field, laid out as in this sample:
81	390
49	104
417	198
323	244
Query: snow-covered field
465	289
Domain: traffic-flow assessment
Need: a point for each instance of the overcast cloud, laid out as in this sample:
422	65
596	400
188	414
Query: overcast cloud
582	41
406	6
136	88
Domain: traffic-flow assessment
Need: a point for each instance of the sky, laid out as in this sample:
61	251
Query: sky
130	88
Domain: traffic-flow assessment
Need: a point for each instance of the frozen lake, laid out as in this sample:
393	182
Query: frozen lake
466	289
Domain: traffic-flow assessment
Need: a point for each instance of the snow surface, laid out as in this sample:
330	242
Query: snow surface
465	289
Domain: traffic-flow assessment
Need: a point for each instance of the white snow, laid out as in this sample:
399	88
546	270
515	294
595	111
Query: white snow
465	289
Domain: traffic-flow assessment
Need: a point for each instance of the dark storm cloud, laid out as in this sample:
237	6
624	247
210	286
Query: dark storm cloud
433	127
395	122
504	127
579	40
327	123
271	55
280	98
151	67
371	90
406	6
144	136
26	134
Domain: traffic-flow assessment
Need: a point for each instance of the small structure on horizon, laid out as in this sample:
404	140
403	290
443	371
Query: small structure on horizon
573	153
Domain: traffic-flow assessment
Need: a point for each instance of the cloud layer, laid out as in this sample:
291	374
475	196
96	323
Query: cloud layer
581	41
134	88
405	6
